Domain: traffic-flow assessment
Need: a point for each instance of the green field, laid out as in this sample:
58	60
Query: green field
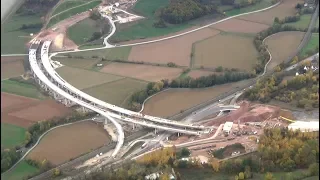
67	5
13	39
87	63
11	135
22	170
302	23
117	92
22	89
72	12
257	6
82	79
77	34
121	53
312	44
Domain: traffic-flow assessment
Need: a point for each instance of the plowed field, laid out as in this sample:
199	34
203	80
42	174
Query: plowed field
240	26
176	50
62	144
11	67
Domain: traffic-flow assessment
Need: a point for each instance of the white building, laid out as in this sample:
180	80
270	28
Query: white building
227	127
305	126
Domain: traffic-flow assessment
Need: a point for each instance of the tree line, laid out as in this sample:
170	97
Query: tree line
139	97
301	91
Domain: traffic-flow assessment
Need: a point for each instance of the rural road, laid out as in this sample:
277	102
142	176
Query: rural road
301	62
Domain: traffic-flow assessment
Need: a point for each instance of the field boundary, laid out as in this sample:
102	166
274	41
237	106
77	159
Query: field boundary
178	35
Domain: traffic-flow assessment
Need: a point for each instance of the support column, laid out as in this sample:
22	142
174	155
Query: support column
178	134
83	109
155	131
133	127
167	138
105	121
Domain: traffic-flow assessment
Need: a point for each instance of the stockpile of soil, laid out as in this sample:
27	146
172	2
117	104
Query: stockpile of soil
259	113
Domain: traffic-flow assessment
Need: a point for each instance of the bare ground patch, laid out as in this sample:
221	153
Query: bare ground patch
240	26
12	67
143	72
226	50
62	144
286	8
176	50
172	101
281	45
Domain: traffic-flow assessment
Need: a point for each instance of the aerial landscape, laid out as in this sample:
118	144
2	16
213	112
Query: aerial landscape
160	89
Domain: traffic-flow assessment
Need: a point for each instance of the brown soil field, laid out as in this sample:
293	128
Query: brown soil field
172	101
226	50
11	67
22	111
10	102
62	144
240	26
116	92
198	73
289	40
81	78
177	50
143	72
42	111
286	8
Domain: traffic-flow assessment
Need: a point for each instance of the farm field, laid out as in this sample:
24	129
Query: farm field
286	8
23	112
143	72
198	73
226	50
81	78
240	26
11	67
64	143
302	23
121	53
177	50
312	44
72	12
275	43
172	101
116	92
11	135
77	34
14	39
86	63
22	89
22	170
67	5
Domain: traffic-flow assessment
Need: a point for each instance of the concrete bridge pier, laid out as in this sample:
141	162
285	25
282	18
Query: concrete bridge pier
133	126
178	134
155	131
105	121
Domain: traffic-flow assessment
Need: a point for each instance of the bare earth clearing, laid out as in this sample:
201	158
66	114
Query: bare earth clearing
172	101
22	111
240	26
177	50
81	78
286	8
227	50
143	72
277	42
62	144
11	67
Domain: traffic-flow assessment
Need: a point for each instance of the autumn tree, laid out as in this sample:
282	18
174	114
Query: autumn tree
268	176
241	176
215	164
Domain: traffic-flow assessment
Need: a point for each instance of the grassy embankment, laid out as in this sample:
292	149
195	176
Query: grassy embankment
22	170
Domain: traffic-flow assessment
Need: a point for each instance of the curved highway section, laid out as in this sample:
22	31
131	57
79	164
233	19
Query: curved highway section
37	72
117	112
